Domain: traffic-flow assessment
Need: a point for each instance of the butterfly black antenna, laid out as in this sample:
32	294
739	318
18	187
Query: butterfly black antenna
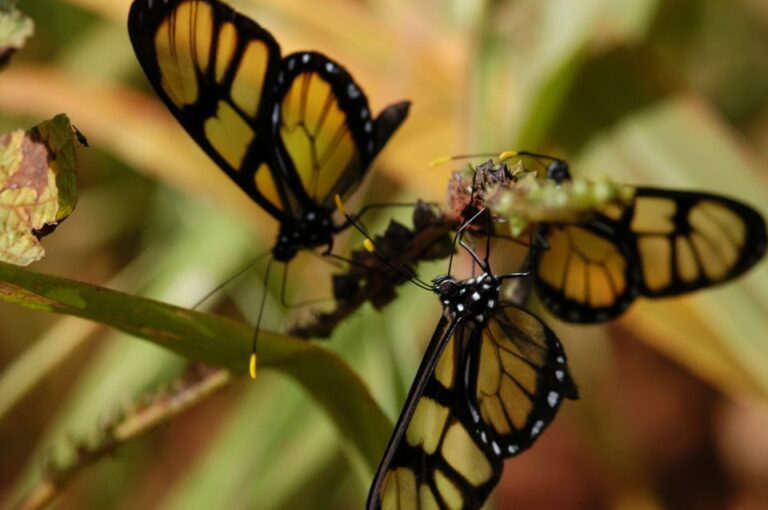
371	247
485	263
506	155
557	169
252	361
489	226
448	159
232	278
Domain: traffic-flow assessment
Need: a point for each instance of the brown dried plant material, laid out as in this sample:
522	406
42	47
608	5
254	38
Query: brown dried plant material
38	187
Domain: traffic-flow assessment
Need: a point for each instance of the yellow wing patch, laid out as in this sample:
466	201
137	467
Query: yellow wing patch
229	134
399	490
427	499
249	78
225	49
445	371
653	215
180	44
265	183
463	454
427	425
451	494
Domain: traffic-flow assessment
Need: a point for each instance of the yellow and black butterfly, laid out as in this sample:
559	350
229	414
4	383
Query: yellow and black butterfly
662	243
292	132
492	379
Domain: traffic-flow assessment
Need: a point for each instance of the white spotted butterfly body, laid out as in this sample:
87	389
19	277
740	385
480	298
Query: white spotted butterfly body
492	379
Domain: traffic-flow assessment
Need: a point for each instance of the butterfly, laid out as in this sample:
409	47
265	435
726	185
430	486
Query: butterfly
491	380
292	132
660	243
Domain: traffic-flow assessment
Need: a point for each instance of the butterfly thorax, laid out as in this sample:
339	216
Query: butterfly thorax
314	229
471	299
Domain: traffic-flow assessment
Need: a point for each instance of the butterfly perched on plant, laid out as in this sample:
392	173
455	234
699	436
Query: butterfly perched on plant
491	380
292	132
655	243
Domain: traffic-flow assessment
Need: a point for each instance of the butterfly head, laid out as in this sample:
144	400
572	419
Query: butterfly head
471	299
557	170
315	228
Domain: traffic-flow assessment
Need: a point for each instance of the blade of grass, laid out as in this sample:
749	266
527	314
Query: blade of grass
271	441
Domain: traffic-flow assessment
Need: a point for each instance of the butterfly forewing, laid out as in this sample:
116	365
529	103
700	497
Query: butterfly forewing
433	460
494	388
663	243
212	66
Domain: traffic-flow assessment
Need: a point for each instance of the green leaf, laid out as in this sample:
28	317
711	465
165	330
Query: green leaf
216	341
15	28
525	71
38	187
61	138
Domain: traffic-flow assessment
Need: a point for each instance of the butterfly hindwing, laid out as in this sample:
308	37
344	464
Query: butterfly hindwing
687	241
663	243
325	131
520	377
211	66
487	396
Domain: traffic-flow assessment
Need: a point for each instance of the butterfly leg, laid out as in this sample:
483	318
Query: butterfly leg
337	260
383	205
527	263
254	345
250	265
297	304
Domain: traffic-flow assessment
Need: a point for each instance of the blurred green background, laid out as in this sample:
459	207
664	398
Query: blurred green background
674	396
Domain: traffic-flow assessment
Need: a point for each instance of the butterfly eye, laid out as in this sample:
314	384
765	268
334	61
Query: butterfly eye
447	288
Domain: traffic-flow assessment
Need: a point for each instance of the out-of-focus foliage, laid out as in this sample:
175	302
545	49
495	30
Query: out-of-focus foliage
659	93
15	28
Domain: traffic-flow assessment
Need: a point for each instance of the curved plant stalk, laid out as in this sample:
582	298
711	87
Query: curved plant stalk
215	341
